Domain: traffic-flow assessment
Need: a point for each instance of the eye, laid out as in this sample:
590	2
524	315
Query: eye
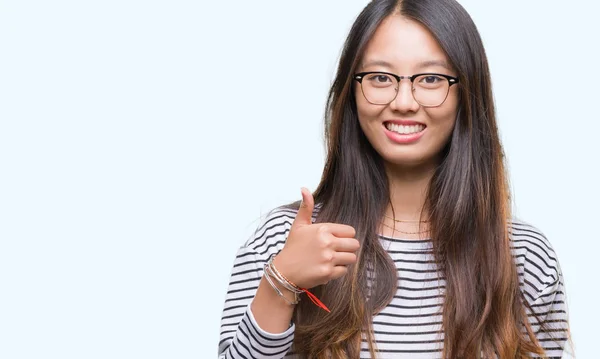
431	79
379	80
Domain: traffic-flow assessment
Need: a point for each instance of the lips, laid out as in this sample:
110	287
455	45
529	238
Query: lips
404	132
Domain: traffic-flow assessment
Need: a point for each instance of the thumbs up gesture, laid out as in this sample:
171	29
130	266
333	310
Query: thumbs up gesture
316	253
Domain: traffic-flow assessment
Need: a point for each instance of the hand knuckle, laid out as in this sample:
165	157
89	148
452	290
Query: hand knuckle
323	229
325	242
328	256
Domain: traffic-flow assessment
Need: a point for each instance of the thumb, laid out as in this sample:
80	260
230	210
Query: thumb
304	216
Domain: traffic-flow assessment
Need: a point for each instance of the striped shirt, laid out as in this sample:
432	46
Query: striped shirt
410	326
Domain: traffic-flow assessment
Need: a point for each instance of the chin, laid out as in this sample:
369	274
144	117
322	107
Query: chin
410	160
406	163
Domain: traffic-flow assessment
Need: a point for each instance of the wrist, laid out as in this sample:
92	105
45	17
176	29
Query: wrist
280	263
288	291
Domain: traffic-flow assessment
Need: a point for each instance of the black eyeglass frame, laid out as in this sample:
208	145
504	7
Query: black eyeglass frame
361	75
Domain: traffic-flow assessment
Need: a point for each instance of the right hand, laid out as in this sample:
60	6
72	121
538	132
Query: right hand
316	253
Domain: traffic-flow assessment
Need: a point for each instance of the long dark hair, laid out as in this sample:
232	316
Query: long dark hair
468	202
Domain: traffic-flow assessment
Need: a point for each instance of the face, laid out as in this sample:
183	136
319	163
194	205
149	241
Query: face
404	132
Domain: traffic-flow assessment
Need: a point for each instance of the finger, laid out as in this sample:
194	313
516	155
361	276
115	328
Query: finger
340	230
343	258
338	271
304	215
346	245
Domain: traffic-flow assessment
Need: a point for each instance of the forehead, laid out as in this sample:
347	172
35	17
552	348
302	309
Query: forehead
404	45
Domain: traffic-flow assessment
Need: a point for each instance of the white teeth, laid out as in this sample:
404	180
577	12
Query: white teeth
404	130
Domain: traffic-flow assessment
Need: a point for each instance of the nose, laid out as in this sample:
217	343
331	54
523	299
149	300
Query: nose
404	101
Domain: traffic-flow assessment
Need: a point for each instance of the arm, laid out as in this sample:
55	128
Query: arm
551	325
542	286
256	322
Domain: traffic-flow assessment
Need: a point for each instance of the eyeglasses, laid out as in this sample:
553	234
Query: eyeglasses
428	89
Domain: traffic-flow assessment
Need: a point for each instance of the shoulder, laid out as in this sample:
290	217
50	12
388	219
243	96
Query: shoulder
537	262
526	236
273	229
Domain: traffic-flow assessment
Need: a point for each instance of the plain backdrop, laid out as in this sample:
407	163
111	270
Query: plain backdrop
141	141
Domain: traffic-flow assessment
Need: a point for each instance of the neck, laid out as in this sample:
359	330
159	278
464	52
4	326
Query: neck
408	190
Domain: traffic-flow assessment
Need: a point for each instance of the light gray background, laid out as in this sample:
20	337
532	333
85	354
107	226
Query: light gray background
140	141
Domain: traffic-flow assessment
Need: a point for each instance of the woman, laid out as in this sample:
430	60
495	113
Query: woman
410	250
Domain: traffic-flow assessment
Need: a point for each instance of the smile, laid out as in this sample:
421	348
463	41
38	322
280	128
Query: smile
404	130
404	134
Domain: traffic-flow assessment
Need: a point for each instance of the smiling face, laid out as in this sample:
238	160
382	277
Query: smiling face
404	132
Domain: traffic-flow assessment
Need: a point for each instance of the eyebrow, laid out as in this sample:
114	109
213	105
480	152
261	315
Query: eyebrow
420	65
430	63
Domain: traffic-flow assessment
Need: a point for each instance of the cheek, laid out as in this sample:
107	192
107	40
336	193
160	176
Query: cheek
365	110
442	125
360	101
444	117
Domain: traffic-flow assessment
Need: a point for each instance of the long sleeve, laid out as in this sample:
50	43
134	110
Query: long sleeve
551	309
543	288
241	336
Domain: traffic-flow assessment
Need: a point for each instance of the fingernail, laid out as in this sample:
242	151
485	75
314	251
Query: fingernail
302	205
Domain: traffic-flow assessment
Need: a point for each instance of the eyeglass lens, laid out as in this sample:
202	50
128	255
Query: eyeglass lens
428	90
